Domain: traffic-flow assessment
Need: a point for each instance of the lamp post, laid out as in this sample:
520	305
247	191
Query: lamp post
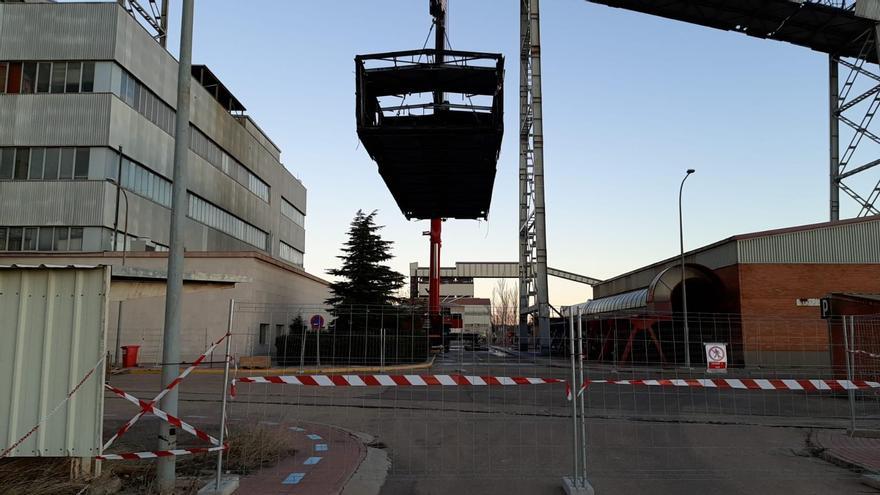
124	247
684	299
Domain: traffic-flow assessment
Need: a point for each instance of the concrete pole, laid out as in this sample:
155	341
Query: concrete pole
165	468
834	138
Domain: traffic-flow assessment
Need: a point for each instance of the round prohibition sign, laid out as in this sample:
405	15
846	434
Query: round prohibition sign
716	353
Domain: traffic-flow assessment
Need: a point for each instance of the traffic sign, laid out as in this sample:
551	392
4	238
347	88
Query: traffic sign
316	322
716	357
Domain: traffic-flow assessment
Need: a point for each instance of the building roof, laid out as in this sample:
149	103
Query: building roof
212	84
855	240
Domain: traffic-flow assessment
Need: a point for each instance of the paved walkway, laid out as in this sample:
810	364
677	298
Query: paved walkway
859	452
325	459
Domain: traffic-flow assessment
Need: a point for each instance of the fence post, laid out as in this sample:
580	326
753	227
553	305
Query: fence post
851	396
223	402
574	406
583	393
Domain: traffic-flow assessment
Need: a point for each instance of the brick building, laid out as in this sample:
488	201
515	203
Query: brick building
758	292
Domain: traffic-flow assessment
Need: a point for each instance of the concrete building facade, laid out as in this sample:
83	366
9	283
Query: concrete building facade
87	101
84	92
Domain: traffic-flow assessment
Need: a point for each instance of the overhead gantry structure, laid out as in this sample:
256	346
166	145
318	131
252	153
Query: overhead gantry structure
437	154
847	31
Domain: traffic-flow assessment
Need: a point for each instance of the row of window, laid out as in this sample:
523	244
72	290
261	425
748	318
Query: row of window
213	216
41	238
44	163
145	102
215	155
47	77
293	213
143	181
291	254
77	77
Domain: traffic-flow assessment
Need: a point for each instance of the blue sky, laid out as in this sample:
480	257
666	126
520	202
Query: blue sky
630	102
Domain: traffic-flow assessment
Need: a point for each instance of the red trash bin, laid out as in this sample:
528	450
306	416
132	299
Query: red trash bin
130	356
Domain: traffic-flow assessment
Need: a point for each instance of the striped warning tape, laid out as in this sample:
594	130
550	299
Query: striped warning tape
809	385
866	353
55	410
132	456
393	380
169	418
148	406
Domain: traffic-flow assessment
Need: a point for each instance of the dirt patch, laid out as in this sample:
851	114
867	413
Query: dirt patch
251	447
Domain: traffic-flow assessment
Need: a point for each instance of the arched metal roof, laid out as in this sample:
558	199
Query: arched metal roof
628	300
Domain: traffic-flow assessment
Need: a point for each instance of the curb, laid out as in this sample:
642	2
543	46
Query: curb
825	453
285	371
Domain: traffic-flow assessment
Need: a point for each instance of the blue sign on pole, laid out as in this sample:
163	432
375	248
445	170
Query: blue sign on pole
317	322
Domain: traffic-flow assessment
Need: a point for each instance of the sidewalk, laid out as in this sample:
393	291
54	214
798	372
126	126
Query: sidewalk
853	452
325	459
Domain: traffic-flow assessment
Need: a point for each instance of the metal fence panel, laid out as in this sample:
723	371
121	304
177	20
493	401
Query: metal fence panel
52	332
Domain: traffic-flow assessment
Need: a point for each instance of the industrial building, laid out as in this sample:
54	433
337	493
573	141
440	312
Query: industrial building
759	292
87	101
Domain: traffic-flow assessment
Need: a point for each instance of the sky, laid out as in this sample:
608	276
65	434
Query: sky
630	102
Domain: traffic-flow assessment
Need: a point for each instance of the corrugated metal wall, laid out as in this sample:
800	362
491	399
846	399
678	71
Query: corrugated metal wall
78	32
55	120
53	202
847	243
52	332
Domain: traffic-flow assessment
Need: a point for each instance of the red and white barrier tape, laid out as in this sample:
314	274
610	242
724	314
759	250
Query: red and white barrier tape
866	353
55	410
132	456
168	418
741	384
393	380
148	406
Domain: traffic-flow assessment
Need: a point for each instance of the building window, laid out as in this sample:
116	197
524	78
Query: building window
214	154
263	337
47	77
21	163
59	69
145	182
218	218
43	163
141	99
290	253
41	238
13	84
36	163
28	77
293	213
44	77
73	76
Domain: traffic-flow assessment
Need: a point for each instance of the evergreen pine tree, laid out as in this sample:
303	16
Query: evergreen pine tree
364	279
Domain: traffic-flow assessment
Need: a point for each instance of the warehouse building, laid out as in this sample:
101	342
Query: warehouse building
758	292
87	101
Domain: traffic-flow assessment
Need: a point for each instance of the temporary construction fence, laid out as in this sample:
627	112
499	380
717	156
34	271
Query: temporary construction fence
491	414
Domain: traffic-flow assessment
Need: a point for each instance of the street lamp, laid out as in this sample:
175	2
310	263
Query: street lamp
684	299
119	189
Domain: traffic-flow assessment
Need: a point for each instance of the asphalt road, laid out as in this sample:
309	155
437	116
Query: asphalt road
510	440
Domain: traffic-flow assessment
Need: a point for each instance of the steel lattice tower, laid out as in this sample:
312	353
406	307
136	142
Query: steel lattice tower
533	296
